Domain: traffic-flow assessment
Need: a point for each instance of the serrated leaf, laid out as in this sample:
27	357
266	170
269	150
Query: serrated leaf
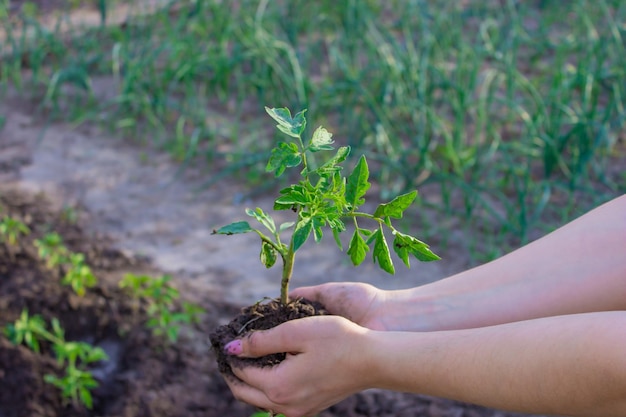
302	232
286	124
285	155
357	184
263	218
321	140
234	228
396	207
280	206
358	249
292	198
405	245
332	165
381	253
336	233
268	255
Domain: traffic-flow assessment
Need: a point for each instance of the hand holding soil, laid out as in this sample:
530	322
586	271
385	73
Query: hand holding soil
358	302
325	364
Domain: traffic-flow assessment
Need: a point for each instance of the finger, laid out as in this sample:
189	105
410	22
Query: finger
264	342
255	376
248	394
310	293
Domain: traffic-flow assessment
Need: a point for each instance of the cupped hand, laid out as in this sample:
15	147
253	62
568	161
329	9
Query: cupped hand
327	362
358	302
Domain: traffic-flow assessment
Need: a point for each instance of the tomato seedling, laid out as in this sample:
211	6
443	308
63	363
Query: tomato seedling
79	275
325	198
164	318
74	357
51	249
11	229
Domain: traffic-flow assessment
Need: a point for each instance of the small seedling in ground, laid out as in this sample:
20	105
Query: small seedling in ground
77	383
79	275
325	198
10	232
11	229
73	357
51	249
164	319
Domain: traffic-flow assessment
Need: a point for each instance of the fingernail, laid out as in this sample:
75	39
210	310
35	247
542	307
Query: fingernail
233	348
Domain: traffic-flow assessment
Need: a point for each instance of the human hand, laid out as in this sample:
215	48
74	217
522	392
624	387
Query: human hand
325	364
358	302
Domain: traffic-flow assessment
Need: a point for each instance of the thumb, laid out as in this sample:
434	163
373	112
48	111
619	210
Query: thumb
310	293
264	342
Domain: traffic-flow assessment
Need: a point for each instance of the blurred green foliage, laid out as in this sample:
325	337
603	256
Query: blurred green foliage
510	114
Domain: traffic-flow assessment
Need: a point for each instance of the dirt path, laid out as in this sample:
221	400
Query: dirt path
134	195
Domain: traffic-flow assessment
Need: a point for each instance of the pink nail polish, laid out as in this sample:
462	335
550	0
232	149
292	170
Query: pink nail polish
233	348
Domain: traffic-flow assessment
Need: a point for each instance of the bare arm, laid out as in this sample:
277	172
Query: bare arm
566	365
571	365
579	268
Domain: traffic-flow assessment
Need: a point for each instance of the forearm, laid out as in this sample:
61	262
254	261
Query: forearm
578	268
566	365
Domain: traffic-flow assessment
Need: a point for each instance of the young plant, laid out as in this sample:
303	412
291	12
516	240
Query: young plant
11	229
325	198
79	275
51	249
74	357
77	382
164	319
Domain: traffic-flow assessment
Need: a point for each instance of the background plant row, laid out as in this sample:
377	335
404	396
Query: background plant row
510	114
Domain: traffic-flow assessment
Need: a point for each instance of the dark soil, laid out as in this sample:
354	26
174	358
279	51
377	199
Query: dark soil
259	317
145	376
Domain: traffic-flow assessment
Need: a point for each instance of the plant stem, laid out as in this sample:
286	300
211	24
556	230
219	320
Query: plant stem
287	272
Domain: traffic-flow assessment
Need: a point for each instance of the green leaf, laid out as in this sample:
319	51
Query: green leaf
95	354
286	124
234	228
285	226
85	397
357	249
263	218
302	232
396	207
285	155
336	233
318	223
321	140
294	195
405	245
357	184
282	206
381	253
331	166
268	255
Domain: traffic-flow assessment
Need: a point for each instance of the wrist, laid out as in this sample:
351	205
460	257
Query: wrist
411	310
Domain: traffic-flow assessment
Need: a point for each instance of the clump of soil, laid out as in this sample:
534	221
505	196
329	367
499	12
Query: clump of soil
260	316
